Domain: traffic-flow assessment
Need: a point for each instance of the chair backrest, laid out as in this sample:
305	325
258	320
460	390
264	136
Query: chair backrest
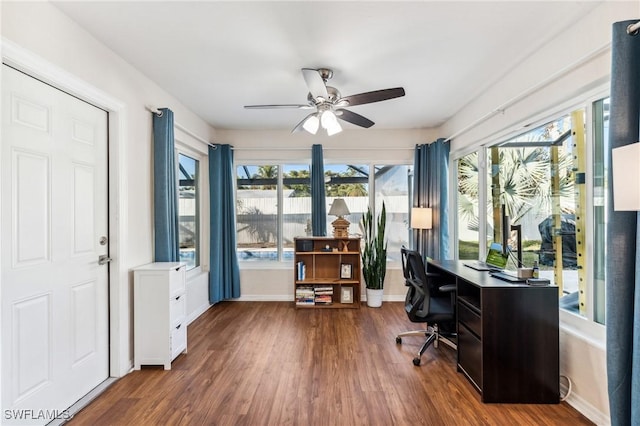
416	277
417	270
403	257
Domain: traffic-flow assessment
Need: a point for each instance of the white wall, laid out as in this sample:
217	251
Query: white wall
42	31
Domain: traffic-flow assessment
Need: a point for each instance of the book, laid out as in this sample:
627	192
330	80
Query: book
305	296
300	271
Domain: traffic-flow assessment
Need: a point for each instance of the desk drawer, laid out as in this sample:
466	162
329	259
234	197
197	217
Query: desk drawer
470	354
469	318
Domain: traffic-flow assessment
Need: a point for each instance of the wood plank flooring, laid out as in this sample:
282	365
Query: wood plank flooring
266	363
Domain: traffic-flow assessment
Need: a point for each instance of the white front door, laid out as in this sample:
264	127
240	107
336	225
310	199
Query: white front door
53	206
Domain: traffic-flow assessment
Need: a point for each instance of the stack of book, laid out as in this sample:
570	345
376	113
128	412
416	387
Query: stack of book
305	296
300	271
323	295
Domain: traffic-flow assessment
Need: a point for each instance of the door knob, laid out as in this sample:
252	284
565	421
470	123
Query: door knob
103	259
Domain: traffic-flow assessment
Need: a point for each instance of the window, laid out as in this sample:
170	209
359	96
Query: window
274	204
188	210
392	186
537	183
273	207
535	174
257	212
296	206
468	207
600	197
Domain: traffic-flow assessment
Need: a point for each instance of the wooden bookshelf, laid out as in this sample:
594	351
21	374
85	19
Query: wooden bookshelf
327	272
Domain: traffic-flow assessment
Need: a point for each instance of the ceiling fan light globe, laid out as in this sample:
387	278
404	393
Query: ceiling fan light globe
334	128
327	119
311	124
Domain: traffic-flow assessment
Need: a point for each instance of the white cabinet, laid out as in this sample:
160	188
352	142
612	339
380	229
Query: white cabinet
160	327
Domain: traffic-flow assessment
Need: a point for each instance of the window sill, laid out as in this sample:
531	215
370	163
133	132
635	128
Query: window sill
271	265
582	328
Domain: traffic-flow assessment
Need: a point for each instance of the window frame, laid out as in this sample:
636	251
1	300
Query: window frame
371	164
584	326
198	151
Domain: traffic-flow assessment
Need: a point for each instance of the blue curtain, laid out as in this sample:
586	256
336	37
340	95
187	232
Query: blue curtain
318	203
165	193
623	266
224	272
431	189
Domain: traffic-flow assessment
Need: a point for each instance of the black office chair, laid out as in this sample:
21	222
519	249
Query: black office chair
427	302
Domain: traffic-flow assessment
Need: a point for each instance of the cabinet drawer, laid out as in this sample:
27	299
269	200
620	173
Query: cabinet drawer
470	354
469	318
178	340
177	309
177	280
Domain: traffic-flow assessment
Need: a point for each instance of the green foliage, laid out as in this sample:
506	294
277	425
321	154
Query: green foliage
374	249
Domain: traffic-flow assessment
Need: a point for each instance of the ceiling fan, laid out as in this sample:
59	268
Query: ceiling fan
330	105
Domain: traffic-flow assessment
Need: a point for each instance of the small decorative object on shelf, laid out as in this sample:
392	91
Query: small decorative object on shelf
325	274
347	295
340	225
346	271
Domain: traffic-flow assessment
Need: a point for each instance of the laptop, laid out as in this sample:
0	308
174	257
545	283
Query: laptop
495	260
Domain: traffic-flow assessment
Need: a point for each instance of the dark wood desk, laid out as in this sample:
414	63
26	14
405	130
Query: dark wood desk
508	338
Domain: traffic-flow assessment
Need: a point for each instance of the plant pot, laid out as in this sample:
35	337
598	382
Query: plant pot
374	297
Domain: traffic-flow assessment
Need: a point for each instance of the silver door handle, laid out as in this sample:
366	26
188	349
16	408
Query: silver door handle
103	259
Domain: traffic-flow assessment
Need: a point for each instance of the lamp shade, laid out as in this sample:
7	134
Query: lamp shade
339	208
421	218
626	177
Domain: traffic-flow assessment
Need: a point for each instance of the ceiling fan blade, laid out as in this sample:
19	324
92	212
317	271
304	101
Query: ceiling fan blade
354	118
281	106
315	83
370	97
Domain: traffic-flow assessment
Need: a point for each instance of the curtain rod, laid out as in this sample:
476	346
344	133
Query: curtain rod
632	29
553	77
307	148
157	111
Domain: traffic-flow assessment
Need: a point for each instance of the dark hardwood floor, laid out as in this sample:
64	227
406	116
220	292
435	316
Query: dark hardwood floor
266	363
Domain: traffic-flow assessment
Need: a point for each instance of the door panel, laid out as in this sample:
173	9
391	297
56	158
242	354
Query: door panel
53	205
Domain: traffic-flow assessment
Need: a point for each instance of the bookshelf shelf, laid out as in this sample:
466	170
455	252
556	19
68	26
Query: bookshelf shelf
325	276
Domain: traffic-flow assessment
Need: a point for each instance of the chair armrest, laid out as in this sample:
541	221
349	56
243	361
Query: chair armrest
433	275
451	289
447	288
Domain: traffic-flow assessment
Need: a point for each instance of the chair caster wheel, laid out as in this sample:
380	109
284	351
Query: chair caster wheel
416	361
398	340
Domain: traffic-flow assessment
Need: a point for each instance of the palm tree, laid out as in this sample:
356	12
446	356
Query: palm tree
523	179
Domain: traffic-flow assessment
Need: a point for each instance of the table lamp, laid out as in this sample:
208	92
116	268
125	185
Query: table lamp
340	225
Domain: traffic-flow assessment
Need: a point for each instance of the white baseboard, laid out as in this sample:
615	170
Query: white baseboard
193	315
289	298
588	410
265	298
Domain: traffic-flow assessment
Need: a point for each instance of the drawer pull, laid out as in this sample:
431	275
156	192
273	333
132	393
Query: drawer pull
178	297
178	327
